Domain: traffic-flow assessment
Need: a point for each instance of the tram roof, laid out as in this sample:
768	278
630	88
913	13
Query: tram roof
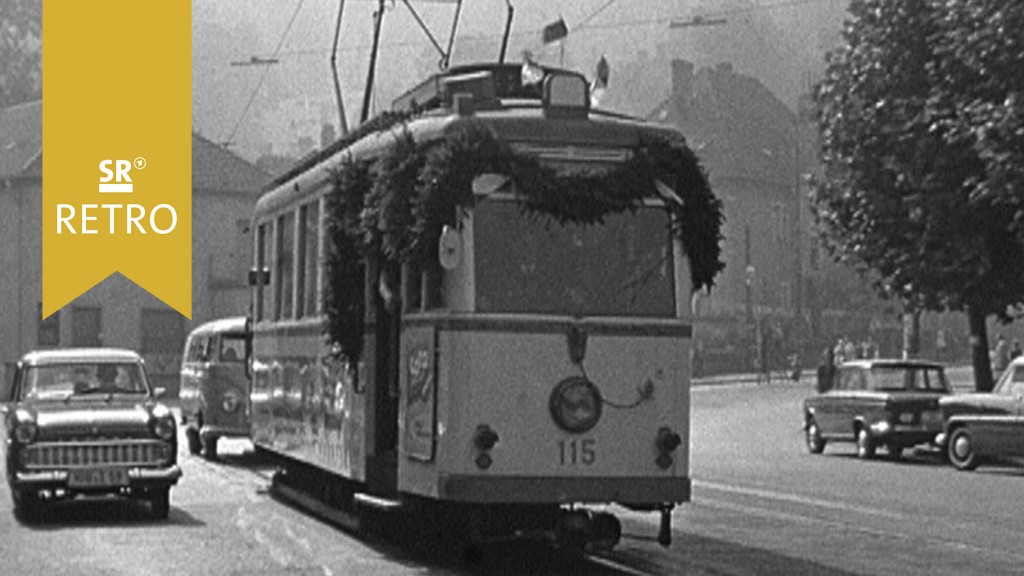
515	112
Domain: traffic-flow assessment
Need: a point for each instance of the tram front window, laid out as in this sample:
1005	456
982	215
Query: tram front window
527	264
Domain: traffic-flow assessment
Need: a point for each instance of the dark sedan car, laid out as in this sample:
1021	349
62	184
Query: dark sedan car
979	426
890	403
86	422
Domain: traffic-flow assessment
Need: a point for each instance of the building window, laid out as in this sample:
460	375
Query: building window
86	326
284	267
49	329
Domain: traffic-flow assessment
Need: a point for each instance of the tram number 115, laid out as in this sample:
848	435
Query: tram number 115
577	452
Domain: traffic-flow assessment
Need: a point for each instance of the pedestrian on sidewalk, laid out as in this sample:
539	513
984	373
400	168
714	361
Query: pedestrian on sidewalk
826	370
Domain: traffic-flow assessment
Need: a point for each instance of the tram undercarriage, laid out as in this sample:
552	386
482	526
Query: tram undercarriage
339	501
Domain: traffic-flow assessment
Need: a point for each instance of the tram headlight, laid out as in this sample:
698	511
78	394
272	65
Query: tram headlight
575	405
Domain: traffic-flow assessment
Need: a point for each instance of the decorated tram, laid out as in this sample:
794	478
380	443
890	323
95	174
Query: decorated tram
476	309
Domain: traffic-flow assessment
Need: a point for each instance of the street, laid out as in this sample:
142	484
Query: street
762	505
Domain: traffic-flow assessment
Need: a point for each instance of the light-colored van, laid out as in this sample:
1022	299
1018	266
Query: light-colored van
215	384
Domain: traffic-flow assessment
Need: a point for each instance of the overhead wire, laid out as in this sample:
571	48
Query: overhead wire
317	52
263	77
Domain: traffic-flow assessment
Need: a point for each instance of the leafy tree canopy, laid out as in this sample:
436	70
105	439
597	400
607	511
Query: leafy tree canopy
20	51
921	115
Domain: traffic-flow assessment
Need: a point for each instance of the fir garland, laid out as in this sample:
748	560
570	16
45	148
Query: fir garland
397	206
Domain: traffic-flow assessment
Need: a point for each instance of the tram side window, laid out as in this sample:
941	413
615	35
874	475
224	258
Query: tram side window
284	272
306	281
421	288
262	300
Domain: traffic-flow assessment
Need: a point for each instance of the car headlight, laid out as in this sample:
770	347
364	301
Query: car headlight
231	401
25	432
575	405
881	428
162	422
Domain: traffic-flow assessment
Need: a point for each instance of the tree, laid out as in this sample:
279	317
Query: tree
20	51
921	186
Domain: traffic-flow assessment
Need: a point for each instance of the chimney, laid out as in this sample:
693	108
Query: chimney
682	79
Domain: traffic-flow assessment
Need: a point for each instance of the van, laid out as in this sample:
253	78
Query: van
215	384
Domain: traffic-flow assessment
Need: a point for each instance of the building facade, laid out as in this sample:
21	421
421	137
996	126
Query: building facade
117	312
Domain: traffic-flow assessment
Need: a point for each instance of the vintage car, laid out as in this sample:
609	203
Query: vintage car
215	384
86	422
985	425
890	403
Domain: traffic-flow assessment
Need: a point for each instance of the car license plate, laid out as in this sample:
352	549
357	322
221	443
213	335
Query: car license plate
97	477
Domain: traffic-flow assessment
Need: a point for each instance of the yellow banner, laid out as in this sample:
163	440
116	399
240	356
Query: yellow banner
117	137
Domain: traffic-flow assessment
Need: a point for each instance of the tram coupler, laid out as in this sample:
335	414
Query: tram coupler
665	533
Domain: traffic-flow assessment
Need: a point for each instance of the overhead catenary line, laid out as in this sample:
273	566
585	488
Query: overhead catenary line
252	97
316	52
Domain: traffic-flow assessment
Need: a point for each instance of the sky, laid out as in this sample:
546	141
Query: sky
258	109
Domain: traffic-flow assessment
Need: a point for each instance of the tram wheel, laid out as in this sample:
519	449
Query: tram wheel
605	531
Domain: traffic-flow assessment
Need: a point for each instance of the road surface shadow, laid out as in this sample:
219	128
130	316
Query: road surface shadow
693	554
102	511
909	458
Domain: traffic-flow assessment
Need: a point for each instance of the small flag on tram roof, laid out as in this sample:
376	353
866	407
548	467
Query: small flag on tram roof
555	31
600	82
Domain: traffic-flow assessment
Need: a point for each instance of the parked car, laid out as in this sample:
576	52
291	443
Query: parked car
215	384
87	422
985	425
890	403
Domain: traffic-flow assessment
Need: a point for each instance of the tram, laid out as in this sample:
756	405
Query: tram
476	309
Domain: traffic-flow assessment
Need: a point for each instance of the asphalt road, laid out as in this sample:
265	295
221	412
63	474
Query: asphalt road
762	505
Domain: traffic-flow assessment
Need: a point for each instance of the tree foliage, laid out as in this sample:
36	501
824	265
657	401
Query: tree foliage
20	51
923	152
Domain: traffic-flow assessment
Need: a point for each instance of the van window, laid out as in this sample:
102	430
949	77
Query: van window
232	348
197	351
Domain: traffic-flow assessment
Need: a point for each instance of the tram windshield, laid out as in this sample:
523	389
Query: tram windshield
532	264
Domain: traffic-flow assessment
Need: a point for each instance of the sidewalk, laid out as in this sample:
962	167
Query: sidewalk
749	378
961	378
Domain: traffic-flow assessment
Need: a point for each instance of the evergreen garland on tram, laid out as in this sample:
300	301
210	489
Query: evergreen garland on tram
398	204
